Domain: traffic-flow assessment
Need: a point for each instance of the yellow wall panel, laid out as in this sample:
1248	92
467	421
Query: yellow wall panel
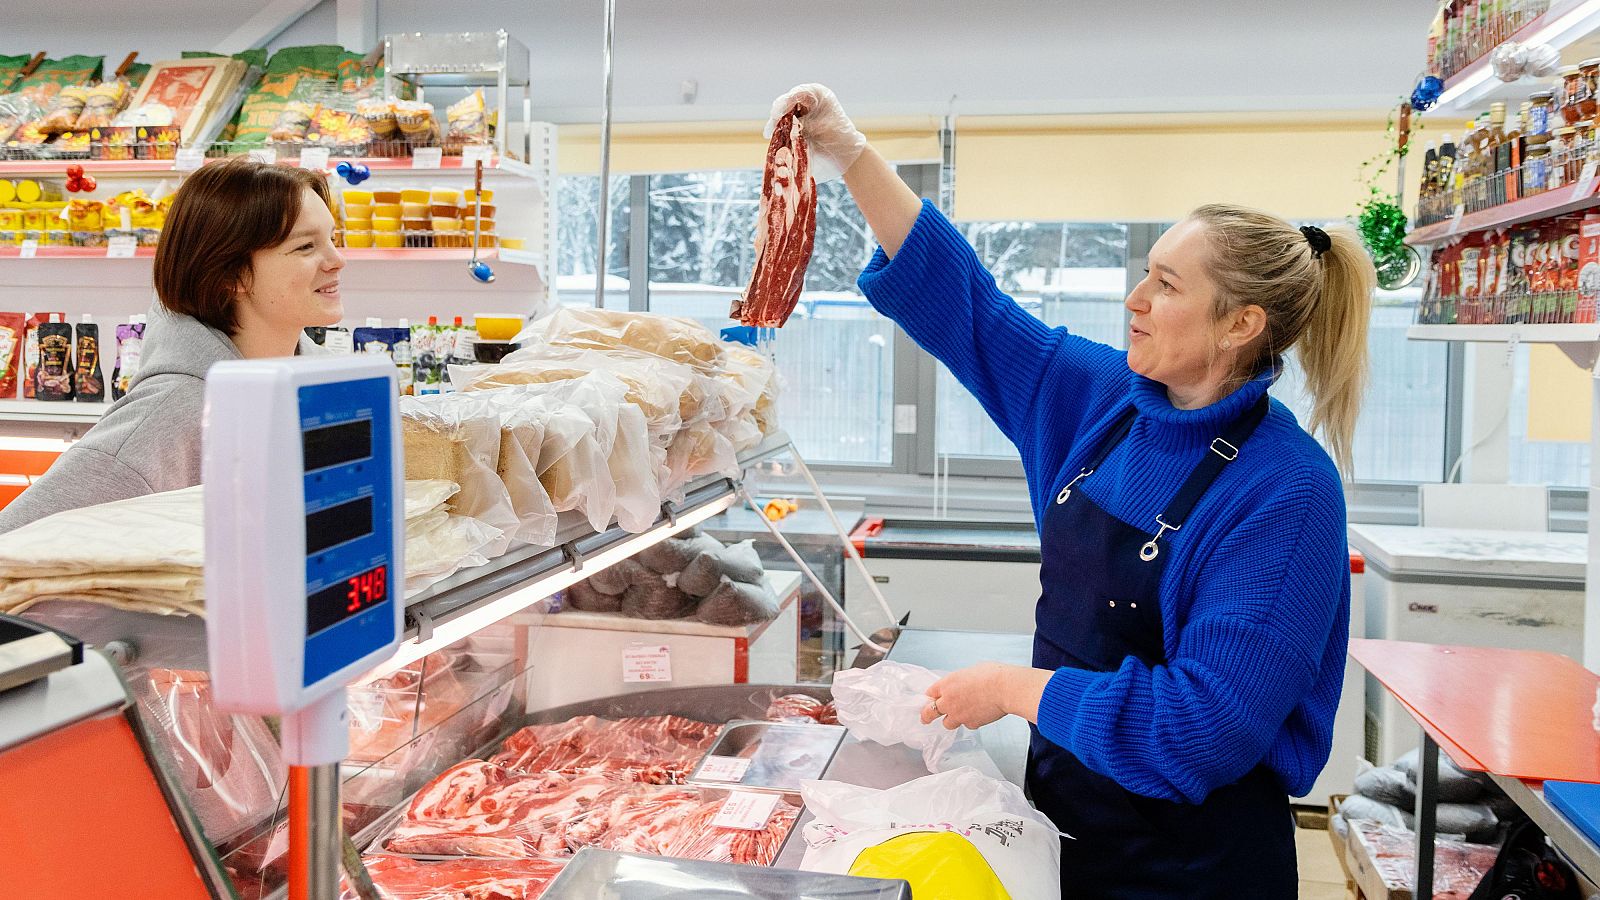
640	148
1559	396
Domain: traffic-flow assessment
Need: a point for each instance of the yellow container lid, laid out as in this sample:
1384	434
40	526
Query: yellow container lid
29	191
413	196
8	191
449	196
358	197
512	243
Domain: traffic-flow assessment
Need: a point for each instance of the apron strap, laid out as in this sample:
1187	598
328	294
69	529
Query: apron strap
1119	430
1224	450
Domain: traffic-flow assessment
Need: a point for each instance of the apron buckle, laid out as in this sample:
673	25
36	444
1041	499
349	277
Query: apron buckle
1067	491
1227	451
1150	550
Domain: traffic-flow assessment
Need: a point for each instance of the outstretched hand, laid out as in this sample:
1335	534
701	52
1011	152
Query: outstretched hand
833	139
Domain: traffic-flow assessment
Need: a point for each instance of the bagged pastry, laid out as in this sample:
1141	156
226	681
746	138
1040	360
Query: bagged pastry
12	326
64	110
458	439
467	122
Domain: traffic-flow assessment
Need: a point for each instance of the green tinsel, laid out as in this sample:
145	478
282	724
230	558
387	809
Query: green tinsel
1382	222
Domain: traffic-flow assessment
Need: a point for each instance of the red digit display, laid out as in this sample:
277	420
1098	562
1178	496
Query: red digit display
346	598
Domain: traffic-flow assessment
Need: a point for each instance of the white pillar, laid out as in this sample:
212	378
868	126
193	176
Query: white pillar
1485	428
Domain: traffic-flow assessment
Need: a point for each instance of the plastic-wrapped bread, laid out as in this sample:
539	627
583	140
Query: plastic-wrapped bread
536	514
457	439
733	603
678	339
666	391
697	451
636	467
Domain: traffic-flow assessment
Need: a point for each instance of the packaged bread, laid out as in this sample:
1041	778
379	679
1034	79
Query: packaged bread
678	339
415	119
294	122
466	122
457	438
64	110
521	436
106	99
668	393
380	117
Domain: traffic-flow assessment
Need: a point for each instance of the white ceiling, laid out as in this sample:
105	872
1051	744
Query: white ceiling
883	58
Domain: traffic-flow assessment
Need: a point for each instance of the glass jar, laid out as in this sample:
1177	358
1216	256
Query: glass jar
1589	69
1538	176
1573	93
1539	112
1561	169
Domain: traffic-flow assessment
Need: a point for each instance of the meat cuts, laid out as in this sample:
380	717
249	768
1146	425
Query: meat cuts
652	749
401	878
802	708
786	229
697	838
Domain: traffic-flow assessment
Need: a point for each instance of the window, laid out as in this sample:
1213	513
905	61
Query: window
837	354
578	212
1400	434
1066	274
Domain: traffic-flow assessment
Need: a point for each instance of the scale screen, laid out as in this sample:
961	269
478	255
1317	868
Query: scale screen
340	601
333	445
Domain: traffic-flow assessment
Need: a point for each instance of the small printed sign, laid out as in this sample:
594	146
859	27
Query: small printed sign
426	158
472	154
189	159
121	247
723	768
30	248
646	664
314	158
1585	185
746	811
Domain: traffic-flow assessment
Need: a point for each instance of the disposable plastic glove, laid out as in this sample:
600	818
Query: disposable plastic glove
834	141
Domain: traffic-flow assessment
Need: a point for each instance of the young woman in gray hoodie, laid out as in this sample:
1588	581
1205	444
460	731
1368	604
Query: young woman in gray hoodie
246	262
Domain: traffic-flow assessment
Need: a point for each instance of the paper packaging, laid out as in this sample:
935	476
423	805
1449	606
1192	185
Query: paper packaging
88	378
1588	268
12	326
30	353
130	344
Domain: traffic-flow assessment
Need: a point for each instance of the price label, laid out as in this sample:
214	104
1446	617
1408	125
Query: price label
646	664
1585	184
264	155
723	768
189	159
475	153
426	158
746	811
30	248
314	158
121	247
1455	220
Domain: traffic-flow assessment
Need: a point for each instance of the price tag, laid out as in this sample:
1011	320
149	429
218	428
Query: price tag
745	811
314	158
723	768
426	158
1585	184
472	154
30	248
646	664
1455	220
121	247
189	159
265	155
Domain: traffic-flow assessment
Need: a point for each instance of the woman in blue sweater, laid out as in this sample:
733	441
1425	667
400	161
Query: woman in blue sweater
1192	625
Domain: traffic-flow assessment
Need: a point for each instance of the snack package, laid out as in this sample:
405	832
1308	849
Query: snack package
30	352
106	99
130	343
467	122
415	119
427	367
55	360
11	70
89	382
16	111
55	74
396	342
12	327
65	108
380	118
262	108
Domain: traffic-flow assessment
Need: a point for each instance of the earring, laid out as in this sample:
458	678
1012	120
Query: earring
1226	343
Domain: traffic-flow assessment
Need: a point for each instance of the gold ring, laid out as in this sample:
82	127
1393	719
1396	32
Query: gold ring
936	706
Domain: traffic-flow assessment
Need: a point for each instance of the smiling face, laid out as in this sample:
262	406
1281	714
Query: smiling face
295	284
1174	336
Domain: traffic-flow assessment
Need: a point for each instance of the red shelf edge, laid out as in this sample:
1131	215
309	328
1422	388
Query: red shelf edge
423	254
13	167
1549	203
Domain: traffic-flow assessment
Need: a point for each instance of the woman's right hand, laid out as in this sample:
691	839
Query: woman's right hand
834	140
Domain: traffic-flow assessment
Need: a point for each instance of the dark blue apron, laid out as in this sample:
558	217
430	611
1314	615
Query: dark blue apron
1102	604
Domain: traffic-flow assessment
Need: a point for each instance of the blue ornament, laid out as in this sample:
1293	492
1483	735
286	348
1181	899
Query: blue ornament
481	271
1426	93
353	173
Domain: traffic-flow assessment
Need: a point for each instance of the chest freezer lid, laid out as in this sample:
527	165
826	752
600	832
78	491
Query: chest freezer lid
1473	552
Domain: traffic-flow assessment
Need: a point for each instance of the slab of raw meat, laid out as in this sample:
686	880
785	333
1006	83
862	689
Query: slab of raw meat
786	229
651	749
400	878
698	839
802	708
480	809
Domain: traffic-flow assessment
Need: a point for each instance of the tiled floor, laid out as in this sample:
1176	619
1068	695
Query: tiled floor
1321	876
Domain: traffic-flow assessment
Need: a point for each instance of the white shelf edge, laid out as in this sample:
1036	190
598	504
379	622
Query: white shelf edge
521	257
1565	333
51	411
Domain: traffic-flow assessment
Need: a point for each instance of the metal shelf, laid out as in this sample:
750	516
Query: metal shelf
49	411
156	168
1558	202
1568	25
1572	843
1565	333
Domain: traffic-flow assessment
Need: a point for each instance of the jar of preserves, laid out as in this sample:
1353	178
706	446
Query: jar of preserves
1572	96
1562	168
1538	175
1589	69
1539	112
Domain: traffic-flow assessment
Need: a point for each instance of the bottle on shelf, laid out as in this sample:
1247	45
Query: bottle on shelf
1446	177
89	381
1498	155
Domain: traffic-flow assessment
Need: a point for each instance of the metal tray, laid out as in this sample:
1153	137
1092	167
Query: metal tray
774	756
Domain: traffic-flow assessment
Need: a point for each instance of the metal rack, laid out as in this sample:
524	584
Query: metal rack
490	59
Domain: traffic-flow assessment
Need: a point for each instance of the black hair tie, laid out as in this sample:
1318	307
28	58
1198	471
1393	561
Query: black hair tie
1318	239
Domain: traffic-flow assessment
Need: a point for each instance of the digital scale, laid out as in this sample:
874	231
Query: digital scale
305	533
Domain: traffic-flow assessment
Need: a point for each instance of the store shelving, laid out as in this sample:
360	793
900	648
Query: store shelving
101	168
15	252
1570	26
1562	333
1539	206
76	413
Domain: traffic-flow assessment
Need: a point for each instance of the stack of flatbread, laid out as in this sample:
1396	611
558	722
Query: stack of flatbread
147	554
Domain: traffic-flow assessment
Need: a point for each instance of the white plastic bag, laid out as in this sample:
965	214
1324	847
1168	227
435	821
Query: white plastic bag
635	472
884	703
1019	843
438	544
457	438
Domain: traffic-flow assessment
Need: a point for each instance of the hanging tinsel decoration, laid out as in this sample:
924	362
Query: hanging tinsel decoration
1381	221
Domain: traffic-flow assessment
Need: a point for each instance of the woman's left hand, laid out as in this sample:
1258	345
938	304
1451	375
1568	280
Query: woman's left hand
984	693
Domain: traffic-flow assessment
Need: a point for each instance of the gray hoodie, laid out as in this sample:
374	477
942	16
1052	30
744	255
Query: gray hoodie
149	441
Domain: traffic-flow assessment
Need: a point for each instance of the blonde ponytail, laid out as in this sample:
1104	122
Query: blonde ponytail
1318	305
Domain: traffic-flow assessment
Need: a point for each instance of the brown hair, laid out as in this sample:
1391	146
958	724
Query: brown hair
219	217
1316	304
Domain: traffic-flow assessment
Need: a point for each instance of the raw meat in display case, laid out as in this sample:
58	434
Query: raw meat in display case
653	749
786	229
403	878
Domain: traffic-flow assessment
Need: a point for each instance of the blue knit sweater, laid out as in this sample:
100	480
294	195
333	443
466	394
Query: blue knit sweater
1255	590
